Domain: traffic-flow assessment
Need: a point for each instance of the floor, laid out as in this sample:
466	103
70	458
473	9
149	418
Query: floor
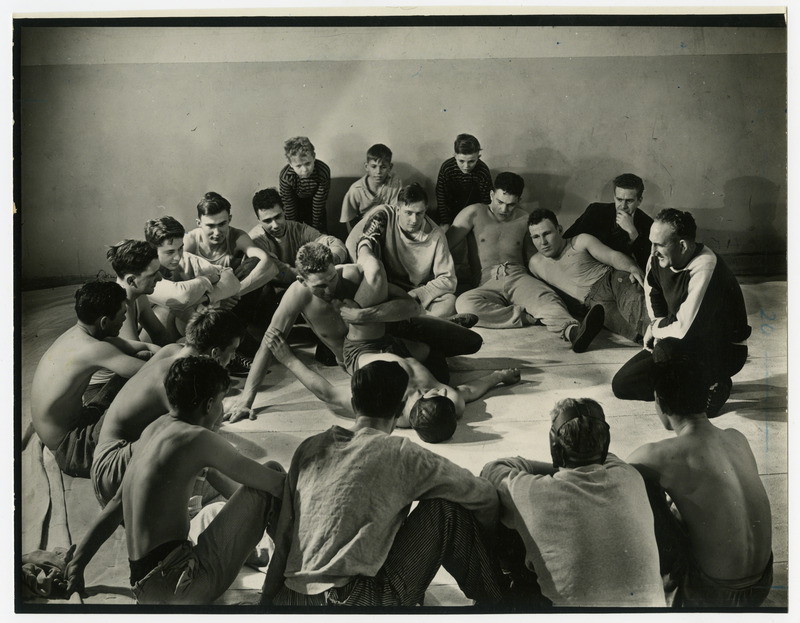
508	421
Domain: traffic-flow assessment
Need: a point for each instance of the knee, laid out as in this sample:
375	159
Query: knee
275	466
620	386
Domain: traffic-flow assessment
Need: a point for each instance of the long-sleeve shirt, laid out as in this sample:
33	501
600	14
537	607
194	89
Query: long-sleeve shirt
283	251
600	220
588	531
350	492
422	265
701	303
297	193
456	190
182	289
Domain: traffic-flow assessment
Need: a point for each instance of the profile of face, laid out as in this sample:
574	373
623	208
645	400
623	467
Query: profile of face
273	221
546	237
625	200
411	217
467	162
502	204
302	164
378	170
215	226
223	356
145	283
666	247
322	285
170	253
114	323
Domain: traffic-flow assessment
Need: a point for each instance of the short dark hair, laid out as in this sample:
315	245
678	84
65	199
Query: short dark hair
159	230
213	328
579	434
540	214
681	388
629	181
313	257
434	418
131	257
266	199
378	389
413	193
510	182
191	381
96	299
379	151
682	222
466	144
213	203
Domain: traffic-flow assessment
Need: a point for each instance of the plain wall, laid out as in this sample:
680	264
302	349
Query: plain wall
119	125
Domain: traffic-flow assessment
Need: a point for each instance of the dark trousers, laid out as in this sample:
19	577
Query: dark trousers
635	380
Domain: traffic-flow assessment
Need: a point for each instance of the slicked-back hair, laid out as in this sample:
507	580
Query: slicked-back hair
159	230
96	299
629	181
434	418
381	152
212	203
131	257
682	223
510	182
297	146
413	193
266	199
466	144
680	388
584	437
378	389
540	214
191	381
213	328
313	257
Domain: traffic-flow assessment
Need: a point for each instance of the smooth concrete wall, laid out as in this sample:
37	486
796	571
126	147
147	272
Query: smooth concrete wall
119	125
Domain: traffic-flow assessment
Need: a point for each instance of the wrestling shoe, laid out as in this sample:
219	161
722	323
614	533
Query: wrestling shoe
464	320
718	394
581	335
374	232
239	365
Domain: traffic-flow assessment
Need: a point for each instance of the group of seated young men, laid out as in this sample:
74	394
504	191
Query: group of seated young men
134	391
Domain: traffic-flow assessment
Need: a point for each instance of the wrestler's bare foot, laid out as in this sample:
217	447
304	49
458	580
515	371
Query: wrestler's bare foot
509	376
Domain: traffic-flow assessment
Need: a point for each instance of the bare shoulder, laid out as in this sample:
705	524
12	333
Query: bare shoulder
654	455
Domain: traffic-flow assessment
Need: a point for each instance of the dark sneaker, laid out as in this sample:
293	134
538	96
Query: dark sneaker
464	320
718	395
325	355
239	365
583	334
374	231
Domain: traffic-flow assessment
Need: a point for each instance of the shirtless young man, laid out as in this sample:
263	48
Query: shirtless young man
318	293
725	522
165	567
210	333
508	295
431	408
67	426
137	267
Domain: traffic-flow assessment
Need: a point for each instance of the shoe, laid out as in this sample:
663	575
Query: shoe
464	320
373	232
239	365
718	394
583	334
325	355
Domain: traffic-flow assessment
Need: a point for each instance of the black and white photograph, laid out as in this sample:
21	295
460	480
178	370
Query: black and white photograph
423	310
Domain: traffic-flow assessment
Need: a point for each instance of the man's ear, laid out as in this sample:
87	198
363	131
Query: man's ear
197	220
491	196
560	229
103	322
213	354
208	405
684	246
230	217
130	280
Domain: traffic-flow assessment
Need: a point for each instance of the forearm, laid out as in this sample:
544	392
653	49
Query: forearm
221	483
264	272
227	286
393	310
258	369
179	295
475	389
312	381
99	532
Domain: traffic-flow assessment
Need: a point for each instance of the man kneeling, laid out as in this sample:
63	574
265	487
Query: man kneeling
154	495
351	541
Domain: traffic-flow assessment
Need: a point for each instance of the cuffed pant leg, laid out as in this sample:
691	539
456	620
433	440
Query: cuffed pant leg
441	533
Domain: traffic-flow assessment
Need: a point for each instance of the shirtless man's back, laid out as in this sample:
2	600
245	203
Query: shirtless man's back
712	477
